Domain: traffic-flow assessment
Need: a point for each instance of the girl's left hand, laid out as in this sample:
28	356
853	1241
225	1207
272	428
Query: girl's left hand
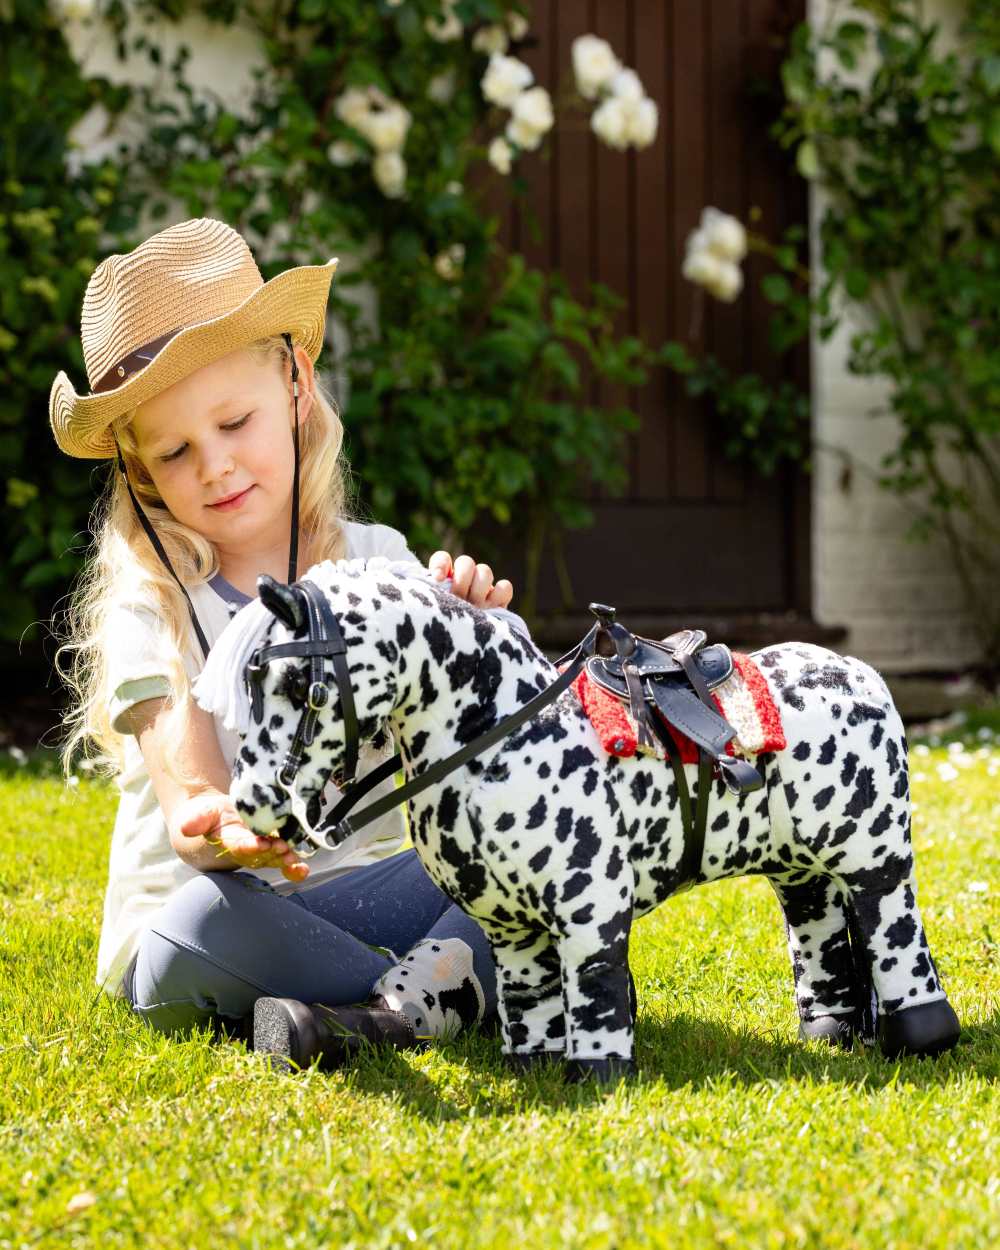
471	581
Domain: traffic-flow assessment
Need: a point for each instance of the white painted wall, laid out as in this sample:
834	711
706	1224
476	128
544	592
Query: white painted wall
900	601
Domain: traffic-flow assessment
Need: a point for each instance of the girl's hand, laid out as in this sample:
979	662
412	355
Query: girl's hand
212	816
471	581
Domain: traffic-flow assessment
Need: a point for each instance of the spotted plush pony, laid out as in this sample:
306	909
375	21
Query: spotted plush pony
555	846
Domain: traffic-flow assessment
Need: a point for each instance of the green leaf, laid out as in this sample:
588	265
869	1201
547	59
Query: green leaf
776	288
807	160
993	131
989	73
676	356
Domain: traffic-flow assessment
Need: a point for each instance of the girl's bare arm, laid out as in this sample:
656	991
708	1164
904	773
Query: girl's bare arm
205	829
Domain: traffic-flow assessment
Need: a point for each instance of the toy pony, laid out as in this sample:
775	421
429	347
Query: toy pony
553	844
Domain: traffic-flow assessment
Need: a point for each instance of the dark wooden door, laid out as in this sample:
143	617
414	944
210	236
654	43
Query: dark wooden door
695	534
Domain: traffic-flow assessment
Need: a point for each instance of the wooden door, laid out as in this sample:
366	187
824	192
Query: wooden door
695	536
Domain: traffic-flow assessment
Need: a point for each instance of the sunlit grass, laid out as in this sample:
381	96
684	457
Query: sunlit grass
734	1134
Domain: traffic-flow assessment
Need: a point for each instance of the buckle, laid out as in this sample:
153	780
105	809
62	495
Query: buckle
319	695
333	835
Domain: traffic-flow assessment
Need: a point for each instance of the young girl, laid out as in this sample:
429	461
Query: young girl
204	392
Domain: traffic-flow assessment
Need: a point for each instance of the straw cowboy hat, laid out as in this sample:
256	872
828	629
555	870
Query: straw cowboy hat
184	298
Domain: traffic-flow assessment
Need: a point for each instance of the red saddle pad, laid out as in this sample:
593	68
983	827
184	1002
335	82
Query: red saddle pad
744	699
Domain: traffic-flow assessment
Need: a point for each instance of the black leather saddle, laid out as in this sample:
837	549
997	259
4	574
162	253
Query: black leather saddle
670	683
665	683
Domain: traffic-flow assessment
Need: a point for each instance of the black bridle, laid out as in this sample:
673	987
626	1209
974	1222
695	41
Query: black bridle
326	641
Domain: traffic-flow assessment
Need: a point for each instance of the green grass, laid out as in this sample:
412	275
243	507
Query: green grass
734	1134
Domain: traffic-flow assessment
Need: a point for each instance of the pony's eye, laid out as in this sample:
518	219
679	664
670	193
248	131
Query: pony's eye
294	685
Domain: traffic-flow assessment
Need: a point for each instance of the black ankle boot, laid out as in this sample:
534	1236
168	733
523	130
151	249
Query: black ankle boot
294	1033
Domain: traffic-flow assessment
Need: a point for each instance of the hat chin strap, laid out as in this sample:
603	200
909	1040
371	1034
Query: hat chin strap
293	541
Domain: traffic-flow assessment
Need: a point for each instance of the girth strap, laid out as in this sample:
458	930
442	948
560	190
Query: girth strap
692	822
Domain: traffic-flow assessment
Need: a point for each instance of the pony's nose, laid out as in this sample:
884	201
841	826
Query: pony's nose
289	829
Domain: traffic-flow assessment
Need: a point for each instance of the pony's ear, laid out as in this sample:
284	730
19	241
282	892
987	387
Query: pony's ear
282	600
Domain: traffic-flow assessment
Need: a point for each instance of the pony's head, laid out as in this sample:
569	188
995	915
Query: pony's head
262	680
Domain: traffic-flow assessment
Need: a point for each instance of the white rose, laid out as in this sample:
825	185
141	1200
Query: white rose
377	97
517	24
700	266
626	85
389	171
441	87
697	241
534	108
505	78
353	106
490	39
449	262
727	283
643	117
386	130
76	10
447	27
594	64
522	135
500	154
610	122
724	235
342	152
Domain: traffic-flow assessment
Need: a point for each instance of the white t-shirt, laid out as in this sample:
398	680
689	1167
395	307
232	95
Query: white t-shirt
144	869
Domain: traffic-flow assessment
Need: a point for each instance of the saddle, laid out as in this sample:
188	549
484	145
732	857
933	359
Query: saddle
669	683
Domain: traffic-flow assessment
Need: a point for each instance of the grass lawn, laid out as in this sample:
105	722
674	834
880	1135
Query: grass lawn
734	1133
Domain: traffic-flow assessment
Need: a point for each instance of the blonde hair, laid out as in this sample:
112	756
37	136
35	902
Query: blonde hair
124	568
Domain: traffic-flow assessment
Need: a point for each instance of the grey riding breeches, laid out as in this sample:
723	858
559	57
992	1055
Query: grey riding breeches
226	939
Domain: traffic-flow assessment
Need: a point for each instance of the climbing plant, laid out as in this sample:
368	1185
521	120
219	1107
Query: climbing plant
370	132
902	132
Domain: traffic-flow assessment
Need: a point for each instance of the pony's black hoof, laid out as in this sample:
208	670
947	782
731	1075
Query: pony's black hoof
533	1059
606	1071
836	1030
929	1029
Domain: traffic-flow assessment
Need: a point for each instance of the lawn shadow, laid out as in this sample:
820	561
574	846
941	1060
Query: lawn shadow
681	1051
382	1071
687	1051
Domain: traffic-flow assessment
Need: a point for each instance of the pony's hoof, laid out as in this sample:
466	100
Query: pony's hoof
928	1029
531	1060
607	1071
836	1030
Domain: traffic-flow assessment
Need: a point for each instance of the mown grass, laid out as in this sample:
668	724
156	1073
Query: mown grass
734	1134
